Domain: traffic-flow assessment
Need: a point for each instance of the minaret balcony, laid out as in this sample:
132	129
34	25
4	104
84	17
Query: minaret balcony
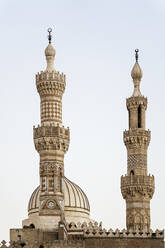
137	186
51	138
50	83
134	102
137	135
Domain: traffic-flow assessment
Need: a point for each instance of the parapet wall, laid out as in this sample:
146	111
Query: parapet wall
94	230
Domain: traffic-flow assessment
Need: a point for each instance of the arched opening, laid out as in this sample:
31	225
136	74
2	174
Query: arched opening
132	172
41	246
139	116
32	226
129	118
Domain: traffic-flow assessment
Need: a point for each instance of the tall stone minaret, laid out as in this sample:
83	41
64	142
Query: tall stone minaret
137	186
51	139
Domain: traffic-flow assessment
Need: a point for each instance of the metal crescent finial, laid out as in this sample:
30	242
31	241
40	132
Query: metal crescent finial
136	54
49	35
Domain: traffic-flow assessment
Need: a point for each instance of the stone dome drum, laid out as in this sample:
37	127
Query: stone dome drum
76	204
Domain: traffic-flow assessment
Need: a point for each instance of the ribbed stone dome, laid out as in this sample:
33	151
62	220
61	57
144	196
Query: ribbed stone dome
76	204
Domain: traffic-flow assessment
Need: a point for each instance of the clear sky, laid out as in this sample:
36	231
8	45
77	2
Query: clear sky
95	42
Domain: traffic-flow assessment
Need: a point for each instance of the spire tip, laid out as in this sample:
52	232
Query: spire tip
49	35
136	54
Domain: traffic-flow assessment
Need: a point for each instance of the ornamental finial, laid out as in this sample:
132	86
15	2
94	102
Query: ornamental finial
136	74
49	35
50	53
136	54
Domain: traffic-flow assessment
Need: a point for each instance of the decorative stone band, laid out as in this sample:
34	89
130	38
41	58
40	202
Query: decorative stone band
138	161
51	109
50	83
134	102
141	205
51	168
137	136
137	187
51	138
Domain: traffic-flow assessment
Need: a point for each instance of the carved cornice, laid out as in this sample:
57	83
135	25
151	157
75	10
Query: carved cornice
50	83
51	138
137	186
136	137
134	102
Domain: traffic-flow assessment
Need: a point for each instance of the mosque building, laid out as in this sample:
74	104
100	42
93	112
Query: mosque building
58	209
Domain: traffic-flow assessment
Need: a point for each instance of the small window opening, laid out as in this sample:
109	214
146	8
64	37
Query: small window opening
139	116
32	226
132	172
41	246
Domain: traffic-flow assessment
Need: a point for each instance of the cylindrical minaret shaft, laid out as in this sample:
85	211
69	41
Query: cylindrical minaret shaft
51	139
137	187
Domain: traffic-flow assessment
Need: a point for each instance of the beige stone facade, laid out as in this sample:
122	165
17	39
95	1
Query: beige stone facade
59	210
137	186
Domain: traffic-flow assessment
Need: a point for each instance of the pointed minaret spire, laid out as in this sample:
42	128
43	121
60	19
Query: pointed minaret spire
50	53
136	54
136	74
49	35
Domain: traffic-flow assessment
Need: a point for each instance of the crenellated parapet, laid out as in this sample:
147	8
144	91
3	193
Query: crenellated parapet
135	102
51	138
136	138
47	244
137	187
96	230
50	83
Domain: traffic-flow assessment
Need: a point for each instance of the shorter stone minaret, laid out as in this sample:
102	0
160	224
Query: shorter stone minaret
137	186
51	139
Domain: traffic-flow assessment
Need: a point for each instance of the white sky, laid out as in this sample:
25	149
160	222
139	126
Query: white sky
95	42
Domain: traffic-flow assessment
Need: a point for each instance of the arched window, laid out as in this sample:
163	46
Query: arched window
132	172
139	116
129	117
32	226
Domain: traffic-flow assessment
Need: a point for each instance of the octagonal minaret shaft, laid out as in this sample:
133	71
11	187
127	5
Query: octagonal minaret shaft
137	186
51	139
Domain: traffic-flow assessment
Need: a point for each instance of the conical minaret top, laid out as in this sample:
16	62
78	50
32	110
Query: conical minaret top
136	74
50	53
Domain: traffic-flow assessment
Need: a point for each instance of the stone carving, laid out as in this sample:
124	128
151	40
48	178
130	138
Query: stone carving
51	138
50	83
136	137
134	102
137	161
137	186
51	169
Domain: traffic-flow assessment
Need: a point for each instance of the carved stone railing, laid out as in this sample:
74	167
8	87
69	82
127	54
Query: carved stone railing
51	138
